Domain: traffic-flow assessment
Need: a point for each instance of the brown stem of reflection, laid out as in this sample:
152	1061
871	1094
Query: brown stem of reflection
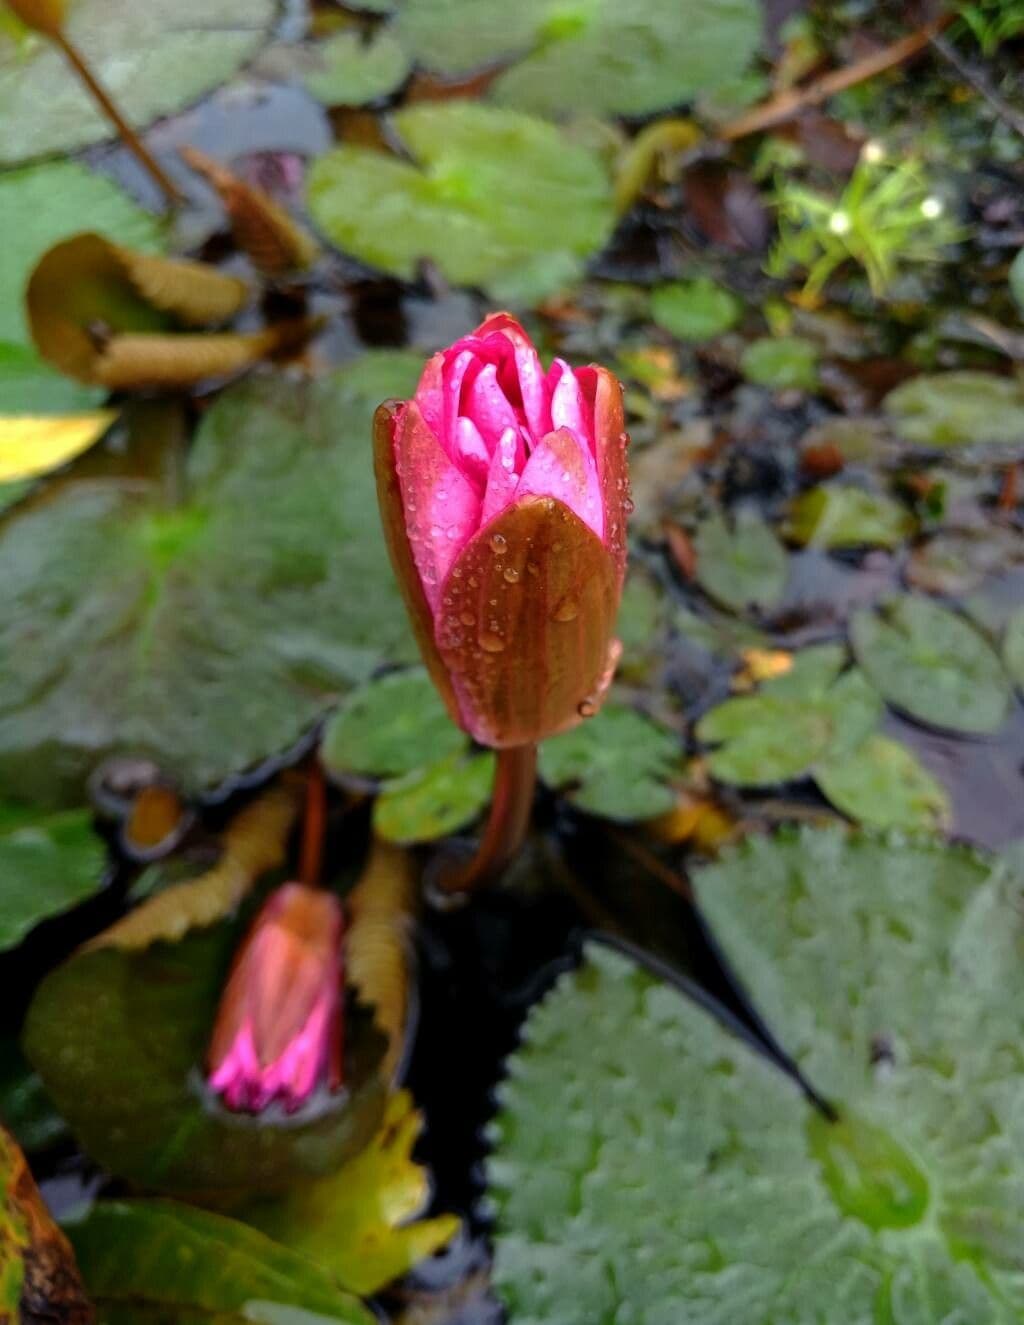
125	131
515	777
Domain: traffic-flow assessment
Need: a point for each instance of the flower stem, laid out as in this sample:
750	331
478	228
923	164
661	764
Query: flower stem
514	779
127	134
314	822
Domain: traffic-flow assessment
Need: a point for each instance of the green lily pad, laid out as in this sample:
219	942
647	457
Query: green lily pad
649	1162
352	71
619	765
462	203
1016	279
588	55
932	664
793	722
838	515
436	800
152	57
25	1108
743	566
391	726
12	491
210	635
119	1038
957	409
48	864
1013	647
157	1261
882	784
42	204
28	385
784	363
695	310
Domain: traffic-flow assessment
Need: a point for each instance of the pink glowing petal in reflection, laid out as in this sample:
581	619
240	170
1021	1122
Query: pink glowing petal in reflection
503	477
562	467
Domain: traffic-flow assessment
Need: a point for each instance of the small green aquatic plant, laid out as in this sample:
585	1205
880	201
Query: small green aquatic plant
886	217
991	22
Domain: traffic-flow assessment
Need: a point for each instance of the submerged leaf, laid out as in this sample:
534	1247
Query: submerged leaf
33	444
362	1223
48	864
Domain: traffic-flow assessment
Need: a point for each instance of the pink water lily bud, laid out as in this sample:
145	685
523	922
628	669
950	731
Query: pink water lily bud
504	495
278	1033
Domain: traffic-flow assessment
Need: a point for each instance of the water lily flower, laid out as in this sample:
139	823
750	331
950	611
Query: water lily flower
278	1032
504	495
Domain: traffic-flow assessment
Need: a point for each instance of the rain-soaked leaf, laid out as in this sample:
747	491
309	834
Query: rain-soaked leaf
838	515
33	444
435	800
39	1280
362	1223
393	725
48	864
882	784
958	409
461	203
161	1261
119	1037
46	203
619	765
152	57
649	1160
932	664
793	722
743	566
351	71
600	56
783	363
237	623
695	310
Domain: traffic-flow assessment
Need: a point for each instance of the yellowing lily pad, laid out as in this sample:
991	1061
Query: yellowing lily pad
33	444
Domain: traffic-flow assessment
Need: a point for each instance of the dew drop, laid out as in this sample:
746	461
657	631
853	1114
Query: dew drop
491	642
498	542
586	708
532	568
629	505
567	609
473	582
511	574
467	618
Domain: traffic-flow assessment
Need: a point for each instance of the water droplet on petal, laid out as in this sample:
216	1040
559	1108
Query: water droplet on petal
567	609
498	542
491	642
511	574
586	708
467	618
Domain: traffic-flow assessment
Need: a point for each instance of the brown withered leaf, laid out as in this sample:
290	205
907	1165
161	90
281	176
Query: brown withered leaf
45	16
108	315
253	843
262	228
39	1279
378	946
727	208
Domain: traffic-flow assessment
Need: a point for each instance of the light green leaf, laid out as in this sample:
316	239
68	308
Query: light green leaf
152	57
28	385
695	310
882	784
391	726
162	1257
434	801
48	864
210	635
838	515
462	203
619	765
649	1162
783	363
352	71
1016	280
589	55
931	663
743	566
1013	647
958	409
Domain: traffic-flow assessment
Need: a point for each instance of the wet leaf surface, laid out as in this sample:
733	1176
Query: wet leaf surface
695	310
434	800
743	566
881	784
783	363
48	863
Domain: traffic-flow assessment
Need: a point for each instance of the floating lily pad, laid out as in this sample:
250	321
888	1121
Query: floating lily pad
793	722
619	765
119	1038
784	363
838	515
28	385
435	800
463	204
1016	279
591	55
42	204
25	1108
156	1261
695	310
210	635
932	664
152	57
649	1162
882	784
1013	647
743	566
391	726
351	71
958	409
48	863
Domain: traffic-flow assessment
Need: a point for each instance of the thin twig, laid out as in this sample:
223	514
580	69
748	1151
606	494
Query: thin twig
791	102
648	861
980	82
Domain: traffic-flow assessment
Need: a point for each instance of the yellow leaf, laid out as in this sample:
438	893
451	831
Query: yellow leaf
33	444
761	665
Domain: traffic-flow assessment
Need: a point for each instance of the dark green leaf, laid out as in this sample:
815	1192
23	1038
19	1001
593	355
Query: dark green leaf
435	800
695	310
743	566
838	516
25	1108
48	863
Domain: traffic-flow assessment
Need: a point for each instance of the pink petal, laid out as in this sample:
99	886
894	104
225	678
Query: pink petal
442	509
562	467
568	408
524	372
471	454
487	405
503	477
455	371
430	394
